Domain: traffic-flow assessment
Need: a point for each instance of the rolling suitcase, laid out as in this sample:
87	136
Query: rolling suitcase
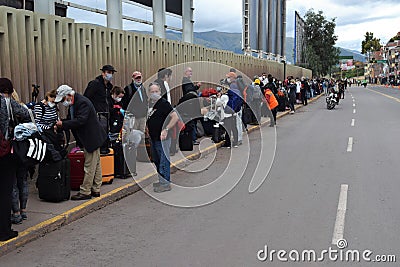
78	164
121	169
53	181
144	151
185	141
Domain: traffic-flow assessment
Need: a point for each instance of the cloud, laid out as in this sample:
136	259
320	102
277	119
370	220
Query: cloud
353	17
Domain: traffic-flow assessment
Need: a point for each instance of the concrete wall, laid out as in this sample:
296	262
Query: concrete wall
51	50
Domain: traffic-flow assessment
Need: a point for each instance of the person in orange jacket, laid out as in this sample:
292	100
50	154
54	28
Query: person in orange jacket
272	104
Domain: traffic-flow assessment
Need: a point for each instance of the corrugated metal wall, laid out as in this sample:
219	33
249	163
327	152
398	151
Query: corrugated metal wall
51	50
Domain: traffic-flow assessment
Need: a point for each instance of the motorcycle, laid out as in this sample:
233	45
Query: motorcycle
331	101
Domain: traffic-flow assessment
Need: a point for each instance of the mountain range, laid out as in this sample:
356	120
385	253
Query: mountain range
233	42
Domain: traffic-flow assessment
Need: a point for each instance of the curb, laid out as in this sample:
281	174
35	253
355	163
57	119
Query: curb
55	223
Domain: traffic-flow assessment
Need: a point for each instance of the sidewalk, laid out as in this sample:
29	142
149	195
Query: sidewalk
44	217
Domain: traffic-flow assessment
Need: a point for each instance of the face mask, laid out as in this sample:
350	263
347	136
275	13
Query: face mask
67	103
109	77
155	97
118	99
137	83
51	104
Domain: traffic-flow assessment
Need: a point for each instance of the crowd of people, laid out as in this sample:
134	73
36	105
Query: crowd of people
96	120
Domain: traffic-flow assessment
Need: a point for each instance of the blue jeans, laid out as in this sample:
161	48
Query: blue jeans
160	155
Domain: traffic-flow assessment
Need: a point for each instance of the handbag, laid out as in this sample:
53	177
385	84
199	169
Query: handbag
5	143
5	146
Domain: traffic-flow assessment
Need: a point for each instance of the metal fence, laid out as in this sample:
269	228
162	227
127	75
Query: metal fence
51	50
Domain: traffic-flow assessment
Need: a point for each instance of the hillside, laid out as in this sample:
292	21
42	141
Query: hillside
233	42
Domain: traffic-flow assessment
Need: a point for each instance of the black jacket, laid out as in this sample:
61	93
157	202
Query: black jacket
99	94
188	86
138	108
85	124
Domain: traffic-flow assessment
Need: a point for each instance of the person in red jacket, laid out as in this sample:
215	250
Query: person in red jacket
272	104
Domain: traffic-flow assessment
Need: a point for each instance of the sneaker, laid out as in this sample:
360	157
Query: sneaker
16	219
23	215
196	143
240	143
235	146
291	112
162	188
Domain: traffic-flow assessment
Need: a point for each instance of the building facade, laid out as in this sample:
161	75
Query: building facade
264	28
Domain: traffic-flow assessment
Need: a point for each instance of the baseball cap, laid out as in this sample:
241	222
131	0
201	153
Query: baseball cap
62	92
136	74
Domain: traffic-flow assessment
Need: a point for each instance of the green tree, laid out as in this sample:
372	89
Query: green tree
320	53
370	44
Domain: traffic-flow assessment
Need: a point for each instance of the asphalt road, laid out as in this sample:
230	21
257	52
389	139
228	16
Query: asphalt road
335	176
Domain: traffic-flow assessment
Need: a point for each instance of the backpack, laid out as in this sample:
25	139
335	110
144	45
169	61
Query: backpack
257	94
235	102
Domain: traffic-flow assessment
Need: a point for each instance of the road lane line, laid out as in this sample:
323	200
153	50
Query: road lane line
350	145
388	96
353	122
354	105
338	231
354	111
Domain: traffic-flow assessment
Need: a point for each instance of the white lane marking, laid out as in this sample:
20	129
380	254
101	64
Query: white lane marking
350	144
353	122
354	100
338	231
354	111
354	105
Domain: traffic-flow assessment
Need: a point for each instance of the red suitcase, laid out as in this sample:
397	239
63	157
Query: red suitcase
77	168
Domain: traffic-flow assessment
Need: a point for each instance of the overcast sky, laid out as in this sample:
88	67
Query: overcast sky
353	17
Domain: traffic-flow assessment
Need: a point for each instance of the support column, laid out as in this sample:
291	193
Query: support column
279	28
114	14
187	20
271	23
159	20
284	29
45	7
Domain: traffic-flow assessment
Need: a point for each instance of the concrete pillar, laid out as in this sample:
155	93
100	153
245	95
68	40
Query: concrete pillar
284	28
114	14
187	20
45	7
271	23
279	28
159	20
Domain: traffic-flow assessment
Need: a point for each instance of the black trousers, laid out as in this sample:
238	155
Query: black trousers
7	177
304	97
231	129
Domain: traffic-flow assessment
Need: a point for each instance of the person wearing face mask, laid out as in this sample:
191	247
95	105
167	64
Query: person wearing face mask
99	93
9	110
162	118
83	121
116	113
137	100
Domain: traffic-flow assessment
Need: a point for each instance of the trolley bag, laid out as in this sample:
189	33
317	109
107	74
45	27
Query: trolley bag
107	167
121	169
53	181
78	164
186	141
144	151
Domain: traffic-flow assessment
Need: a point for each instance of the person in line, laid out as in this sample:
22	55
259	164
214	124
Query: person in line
272	104
190	91
20	191
9	110
162	118
116	113
82	120
136	93
292	88
98	92
163	79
